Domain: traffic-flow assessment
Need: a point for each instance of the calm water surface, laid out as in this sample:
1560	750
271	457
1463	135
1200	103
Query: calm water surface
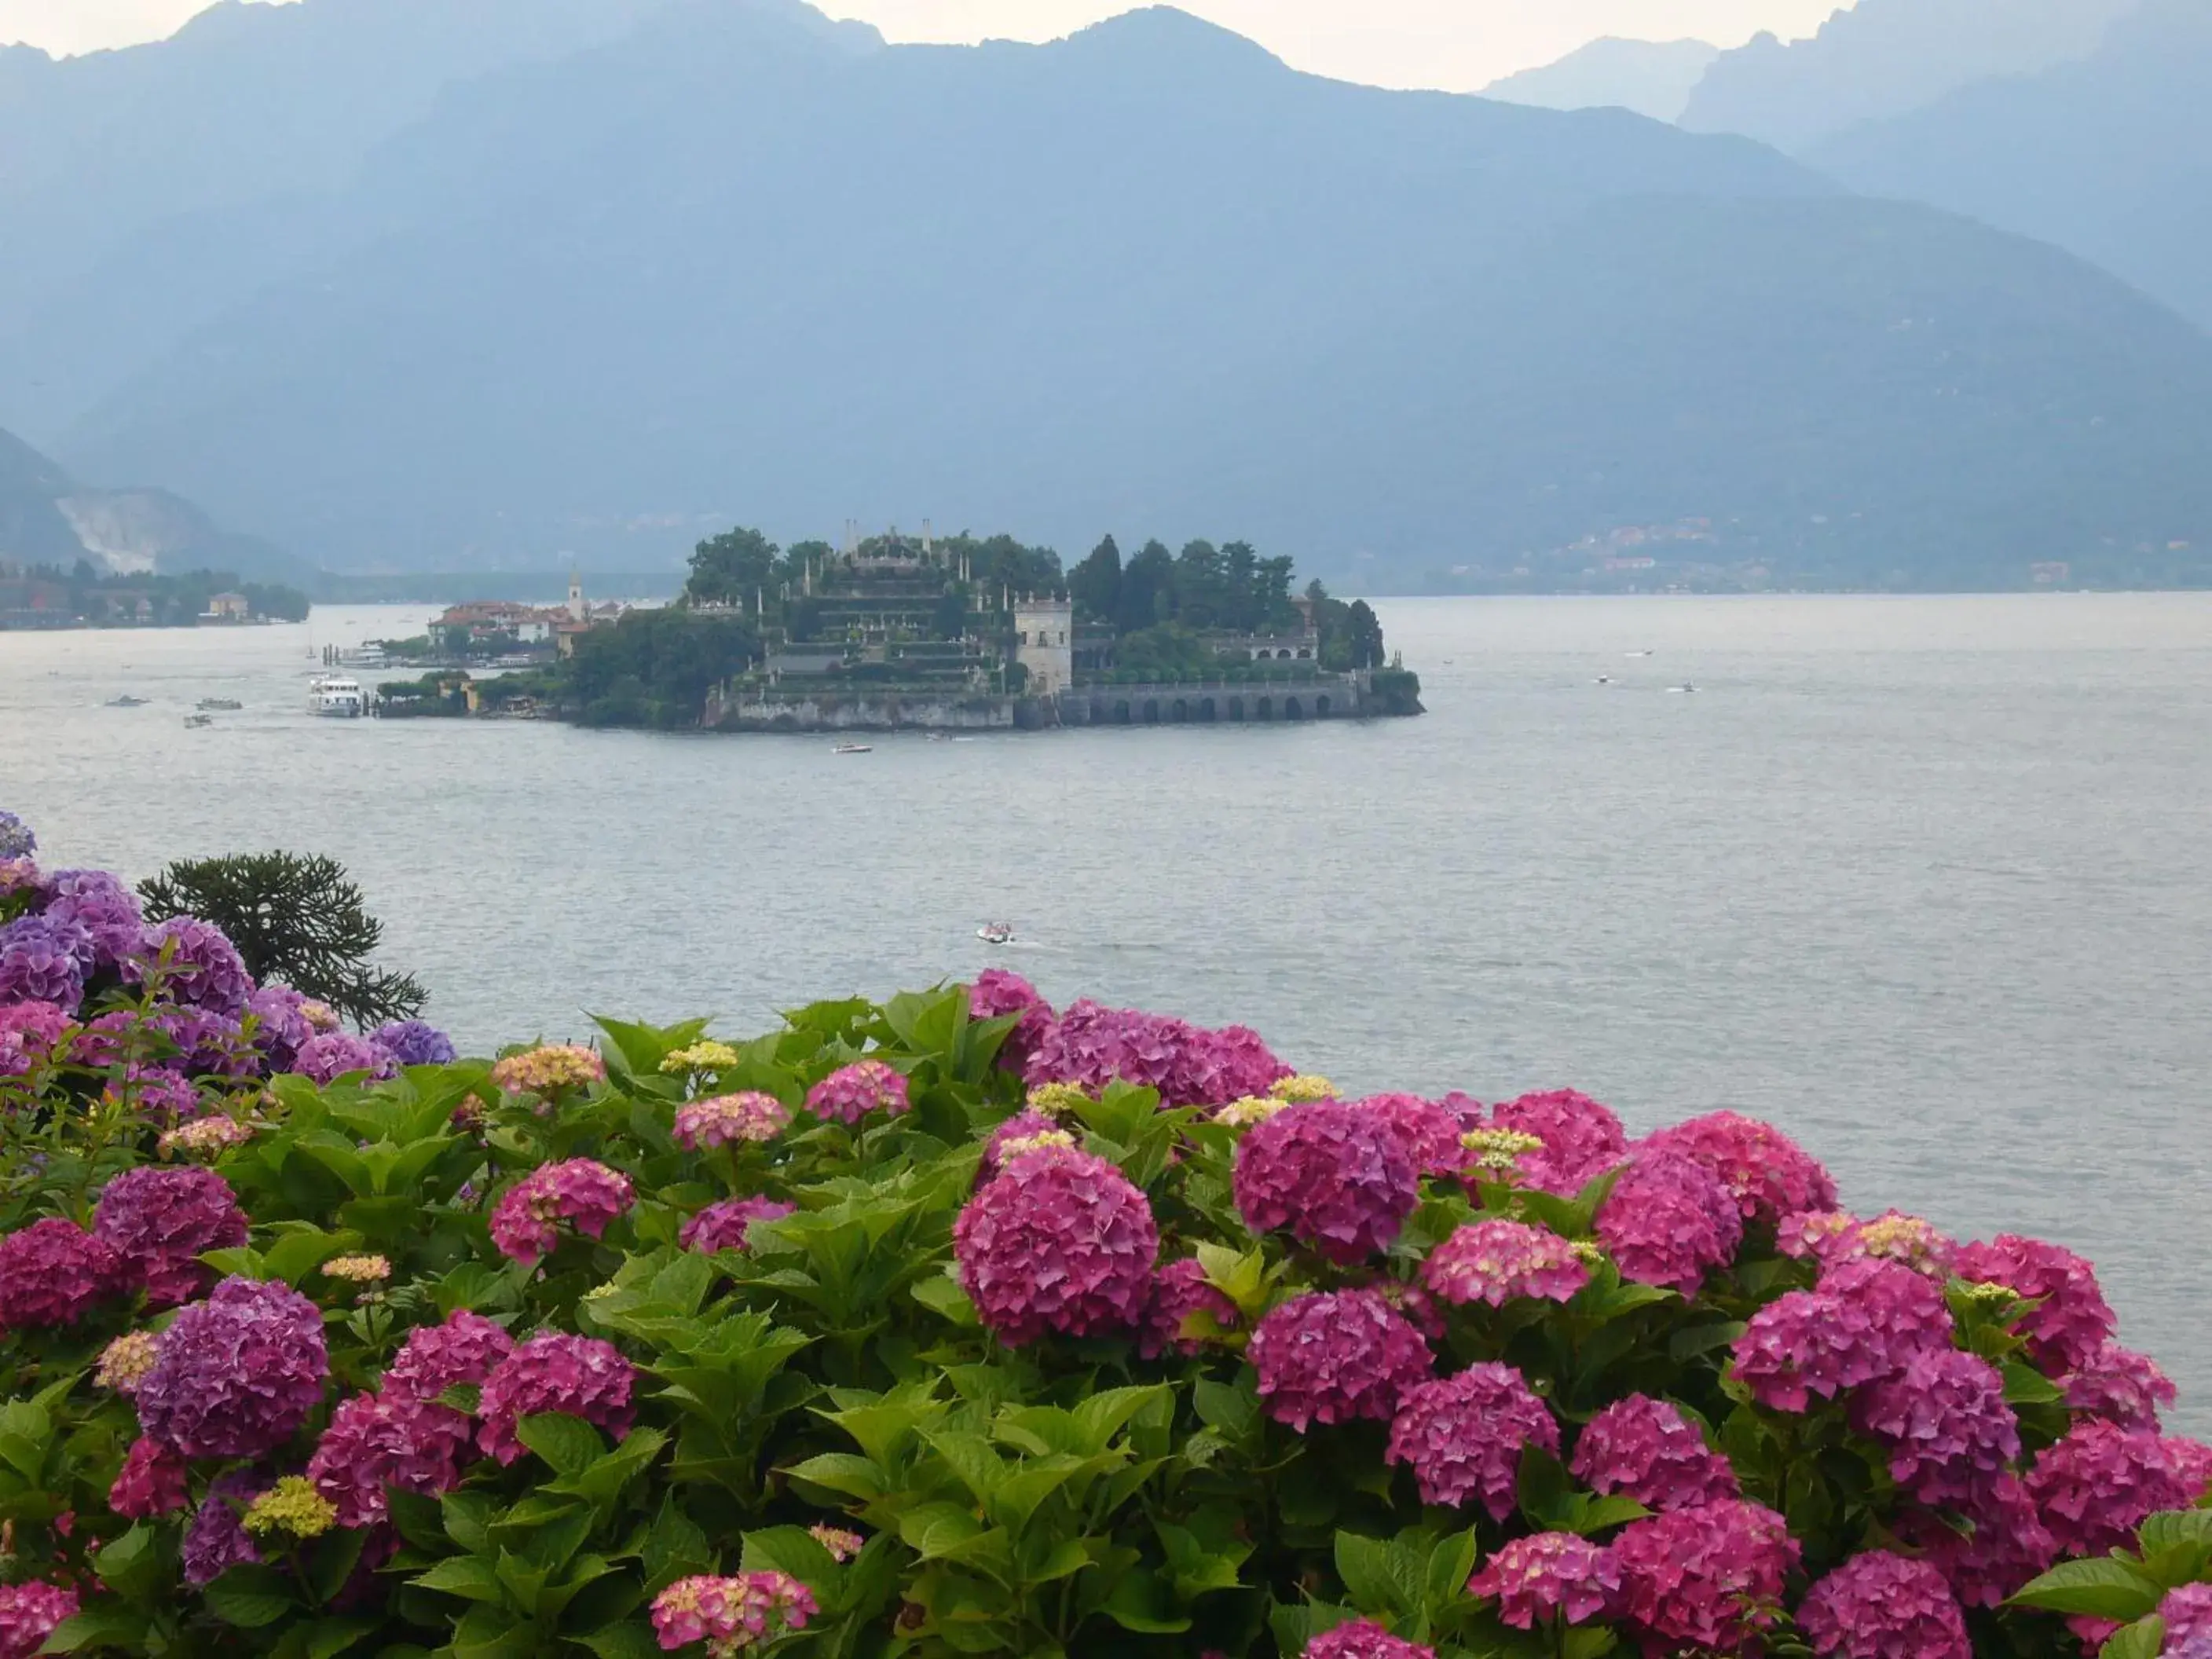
1922	880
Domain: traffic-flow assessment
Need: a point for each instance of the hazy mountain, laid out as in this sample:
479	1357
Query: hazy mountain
726	267
1652	77
1884	58
2110	157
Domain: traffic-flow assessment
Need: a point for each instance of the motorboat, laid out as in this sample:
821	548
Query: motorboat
996	932
126	700
196	721
220	705
854	749
337	696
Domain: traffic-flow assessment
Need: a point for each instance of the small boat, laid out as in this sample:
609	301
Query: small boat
221	705
337	696
1639	653
126	700
196	721
1605	679
854	749
996	932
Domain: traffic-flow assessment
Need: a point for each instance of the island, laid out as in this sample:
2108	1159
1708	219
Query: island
45	596
891	632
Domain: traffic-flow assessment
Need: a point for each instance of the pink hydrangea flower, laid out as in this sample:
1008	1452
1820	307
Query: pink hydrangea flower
731	1615
1767	1174
851	1092
1646	1448
464	1351
1362	1638
236	1374
996	993
151	1482
377	1444
1024	1125
525	1222
1882	1605
1057	1242
53	1272
721	1225
29	1613
2193	1460
1180	1289
1951	1437
1549	1574
1711	1576
2073	1320
1834	1238
1866	1320
2094	1487
1337	1177
1582	1139
329	1056
1668	1222
2004	1545
1330	1356
2121	1386
1093	1046
2187	1611
724	1119
580	1376
44	1027
160	1221
1463	1436
1430	1132
155	1092
1497	1259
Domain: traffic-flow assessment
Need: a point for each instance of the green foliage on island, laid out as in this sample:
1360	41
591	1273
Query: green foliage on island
160	601
654	668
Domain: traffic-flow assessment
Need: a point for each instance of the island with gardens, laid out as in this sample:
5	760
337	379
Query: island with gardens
892	631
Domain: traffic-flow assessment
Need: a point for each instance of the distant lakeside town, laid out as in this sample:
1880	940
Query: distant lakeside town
45	596
892	631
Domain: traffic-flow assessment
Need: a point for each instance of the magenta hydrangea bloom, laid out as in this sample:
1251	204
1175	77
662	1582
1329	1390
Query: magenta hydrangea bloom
851	1092
1769	1175
1180	1289
1833	1238
1710	1575
160	1220
2121	1386
1463	1436
1091	1046
29	1613
53	1273
329	1056
1668	1222
1362	1638
728	1119
731	1615
236	1374
2073	1321
2193	1460
1430	1132
196	964
1024	1125
380	1444
2187	1611
1332	1356
1219	1067
2004	1545
464	1350
1582	1139
1646	1448
40	1026
581	1192
43	960
997	992
1882	1605
1497	1259
721	1225
552	1372
2093	1488
1057	1242
1337	1177
151	1482
1866	1320
216	1541
1547	1575
1943	1420
414	1042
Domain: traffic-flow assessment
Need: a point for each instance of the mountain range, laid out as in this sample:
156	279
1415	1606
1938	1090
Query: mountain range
448	283
1652	77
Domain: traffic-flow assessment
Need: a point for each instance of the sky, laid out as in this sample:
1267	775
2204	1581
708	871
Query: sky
1458	45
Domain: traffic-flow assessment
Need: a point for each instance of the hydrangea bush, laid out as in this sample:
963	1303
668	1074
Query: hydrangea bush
955	1325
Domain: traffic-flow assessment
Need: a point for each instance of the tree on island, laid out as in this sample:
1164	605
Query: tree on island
297	920
733	567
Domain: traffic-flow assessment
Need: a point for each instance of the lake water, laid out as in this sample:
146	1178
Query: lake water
1922	880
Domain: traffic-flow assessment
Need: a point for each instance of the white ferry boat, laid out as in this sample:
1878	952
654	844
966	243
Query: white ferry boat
337	697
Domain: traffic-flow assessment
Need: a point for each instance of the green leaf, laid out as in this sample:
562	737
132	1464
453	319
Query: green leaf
1232	1409
1692	1341
1451	1563
1141	1603
1544	1492
2105	1588
935	1529
105	1624
631	1640
2169	1527
1587	1642
2024	1385
470	1576
942	1296
675	1547
569	1443
129	1564
1381	1576
250	1598
842	1472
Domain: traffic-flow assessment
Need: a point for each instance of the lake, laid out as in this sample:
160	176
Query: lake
1922	880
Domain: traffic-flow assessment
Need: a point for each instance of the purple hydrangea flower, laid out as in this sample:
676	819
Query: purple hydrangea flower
236	1374
43	960
1180	1289
525	1222
580	1376
53	1273
722	1225
1059	1241
1430	1132
996	993
376	1445
1091	1046
1332	1356
150	1483
2003	1543
1496	1260
17	839
209	1044
1582	1139
2121	1386
851	1092
1549	1575
1767	1174
1336	1176
195	964
1943	1420
1880	1606
157	1092
1668	1222
1866	1320
463	1351
1646	1448
216	1540
1362	1638
1463	1436
29	1613
414	1042
160	1222
327	1056
1710	1575
280	1025
2073	1321
107	911
2093	1488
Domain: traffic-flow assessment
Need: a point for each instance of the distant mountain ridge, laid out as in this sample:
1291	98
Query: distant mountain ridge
737	262
1652	77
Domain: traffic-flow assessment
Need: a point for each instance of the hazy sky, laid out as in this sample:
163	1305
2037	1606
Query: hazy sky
1458	44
